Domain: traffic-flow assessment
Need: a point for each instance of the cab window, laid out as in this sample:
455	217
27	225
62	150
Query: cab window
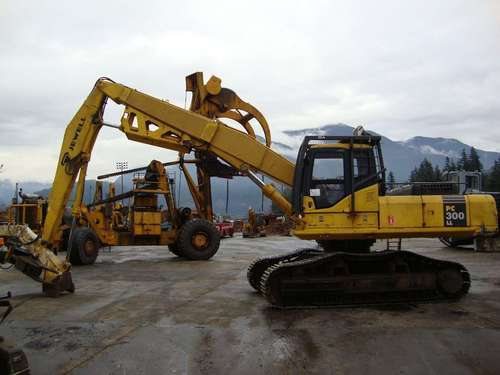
327	185
364	169
361	164
327	169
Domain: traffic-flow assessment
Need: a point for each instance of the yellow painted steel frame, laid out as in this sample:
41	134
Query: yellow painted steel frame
98	219
156	122
106	223
79	139
100	224
395	216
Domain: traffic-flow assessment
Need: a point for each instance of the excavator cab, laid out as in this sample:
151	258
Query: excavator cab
332	168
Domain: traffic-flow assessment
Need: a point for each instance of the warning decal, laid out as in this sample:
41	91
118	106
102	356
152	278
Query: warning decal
455	211
390	220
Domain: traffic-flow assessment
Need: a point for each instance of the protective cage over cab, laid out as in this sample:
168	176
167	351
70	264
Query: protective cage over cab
330	168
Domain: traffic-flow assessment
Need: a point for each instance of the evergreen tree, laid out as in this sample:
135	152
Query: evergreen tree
426	172
447	165
453	166
463	162
492	182
414	175
438	176
391	183
474	162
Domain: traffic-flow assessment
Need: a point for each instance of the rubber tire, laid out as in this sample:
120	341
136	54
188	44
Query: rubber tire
174	249
186	233
78	255
348	246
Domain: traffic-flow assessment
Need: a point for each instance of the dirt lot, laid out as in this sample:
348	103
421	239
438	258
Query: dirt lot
140	310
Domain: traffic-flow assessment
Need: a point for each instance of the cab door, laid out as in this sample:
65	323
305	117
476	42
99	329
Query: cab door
341	189
326	180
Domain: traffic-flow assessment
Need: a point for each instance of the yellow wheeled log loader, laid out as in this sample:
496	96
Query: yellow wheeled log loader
141	222
338	198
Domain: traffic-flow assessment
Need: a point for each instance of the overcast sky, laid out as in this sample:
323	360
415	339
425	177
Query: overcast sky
401	68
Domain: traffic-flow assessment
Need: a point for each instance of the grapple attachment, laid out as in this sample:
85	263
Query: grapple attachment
214	101
24	250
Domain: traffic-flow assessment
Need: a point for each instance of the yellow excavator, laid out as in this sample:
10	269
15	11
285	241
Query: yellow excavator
338	200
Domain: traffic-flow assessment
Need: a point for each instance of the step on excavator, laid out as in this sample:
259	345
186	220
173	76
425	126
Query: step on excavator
338	199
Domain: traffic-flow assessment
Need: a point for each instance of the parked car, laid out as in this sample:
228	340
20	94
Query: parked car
226	229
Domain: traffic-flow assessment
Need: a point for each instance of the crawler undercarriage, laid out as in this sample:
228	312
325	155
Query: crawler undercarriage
314	278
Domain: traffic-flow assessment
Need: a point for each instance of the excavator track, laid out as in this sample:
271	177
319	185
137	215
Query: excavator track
260	265
314	279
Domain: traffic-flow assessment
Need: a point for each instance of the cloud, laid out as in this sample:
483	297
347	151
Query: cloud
400	68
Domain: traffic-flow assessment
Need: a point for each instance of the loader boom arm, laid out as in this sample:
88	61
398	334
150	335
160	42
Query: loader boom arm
76	148
149	120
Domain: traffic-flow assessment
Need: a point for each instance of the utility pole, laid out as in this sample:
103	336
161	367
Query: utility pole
121	166
227	196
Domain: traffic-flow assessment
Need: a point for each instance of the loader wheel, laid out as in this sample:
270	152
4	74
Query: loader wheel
198	239
85	248
174	249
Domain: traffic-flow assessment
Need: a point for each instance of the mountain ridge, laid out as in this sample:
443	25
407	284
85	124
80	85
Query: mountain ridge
401	157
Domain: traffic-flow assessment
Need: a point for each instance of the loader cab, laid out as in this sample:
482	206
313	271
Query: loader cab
330	168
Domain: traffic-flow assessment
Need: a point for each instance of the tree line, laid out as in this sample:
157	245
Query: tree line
427	172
